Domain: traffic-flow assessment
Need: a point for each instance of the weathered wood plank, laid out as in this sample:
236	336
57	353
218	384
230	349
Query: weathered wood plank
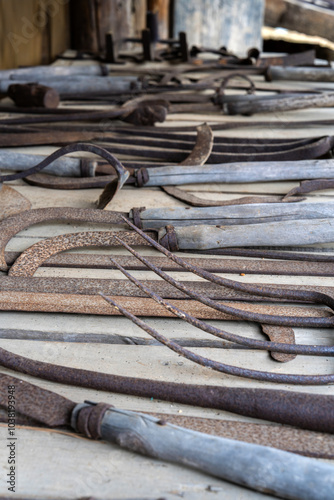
234	24
75	467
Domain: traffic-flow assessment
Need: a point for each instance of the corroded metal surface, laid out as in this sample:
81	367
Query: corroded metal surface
14	224
217	366
203	147
52	409
30	260
280	334
12	202
243	266
196	201
140	306
264	291
92	286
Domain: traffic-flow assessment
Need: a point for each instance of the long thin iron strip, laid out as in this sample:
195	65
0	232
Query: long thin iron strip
221	367
270	254
261	291
231	266
257	344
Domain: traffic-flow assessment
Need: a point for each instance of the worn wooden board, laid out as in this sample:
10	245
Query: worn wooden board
58	466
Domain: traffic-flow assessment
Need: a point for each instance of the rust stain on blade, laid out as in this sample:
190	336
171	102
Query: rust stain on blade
12	202
30	260
10	226
280	334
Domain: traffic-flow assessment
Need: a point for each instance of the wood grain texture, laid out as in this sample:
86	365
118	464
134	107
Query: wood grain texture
32	32
233	23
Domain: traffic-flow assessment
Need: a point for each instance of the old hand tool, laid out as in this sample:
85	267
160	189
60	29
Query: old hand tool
33	95
122	173
284	474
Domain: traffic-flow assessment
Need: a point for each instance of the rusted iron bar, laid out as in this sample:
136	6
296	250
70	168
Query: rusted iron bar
196	201
230	266
93	304
92	286
214	365
310	186
103	421
16	223
307	411
311	296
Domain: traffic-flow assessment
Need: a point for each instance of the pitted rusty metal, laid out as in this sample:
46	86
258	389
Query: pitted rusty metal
42	407
12	225
53	410
280	334
308	411
230	266
30	260
182	314
203	147
140	306
217	366
264	291
196	201
307	443
12	202
310	186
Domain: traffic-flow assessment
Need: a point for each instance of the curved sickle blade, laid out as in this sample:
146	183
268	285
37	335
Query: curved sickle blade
198	156
203	147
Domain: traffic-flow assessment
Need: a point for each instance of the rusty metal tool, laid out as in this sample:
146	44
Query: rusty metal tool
12	202
257	290
143	114
12	225
196	201
302	442
33	95
122	173
306	411
157	438
311	267
310	186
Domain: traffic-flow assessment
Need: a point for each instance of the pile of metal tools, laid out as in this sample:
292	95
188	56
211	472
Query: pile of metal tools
110	107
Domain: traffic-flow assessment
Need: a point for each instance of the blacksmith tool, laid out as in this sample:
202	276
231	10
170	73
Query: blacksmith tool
284	474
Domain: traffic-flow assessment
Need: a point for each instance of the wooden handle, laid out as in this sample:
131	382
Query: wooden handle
260	468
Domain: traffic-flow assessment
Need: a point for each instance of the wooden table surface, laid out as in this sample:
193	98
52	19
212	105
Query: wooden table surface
55	464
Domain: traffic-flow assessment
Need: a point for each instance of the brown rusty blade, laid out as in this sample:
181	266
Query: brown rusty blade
34	402
195	201
30	260
203	147
93	286
55	182
230	266
12	202
280	334
307	443
36	406
140	306
198	156
310	186
16	223
42	138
